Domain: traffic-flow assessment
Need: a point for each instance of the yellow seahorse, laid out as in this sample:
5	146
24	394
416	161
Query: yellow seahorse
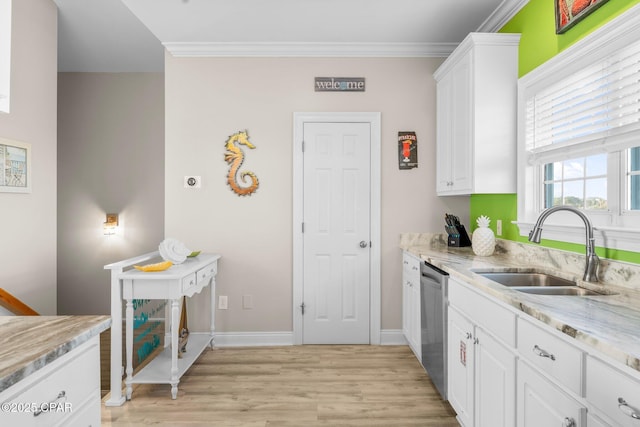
235	156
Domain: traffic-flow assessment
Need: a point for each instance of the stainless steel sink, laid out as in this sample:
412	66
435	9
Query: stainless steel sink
526	279
532	282
555	290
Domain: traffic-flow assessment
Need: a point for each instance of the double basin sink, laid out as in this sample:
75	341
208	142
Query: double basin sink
536	283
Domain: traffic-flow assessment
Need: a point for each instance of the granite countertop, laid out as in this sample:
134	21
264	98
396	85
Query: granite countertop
609	323
28	343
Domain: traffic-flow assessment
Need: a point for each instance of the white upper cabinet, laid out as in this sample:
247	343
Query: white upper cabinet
476	116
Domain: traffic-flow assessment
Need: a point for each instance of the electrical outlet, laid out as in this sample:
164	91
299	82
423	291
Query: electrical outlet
247	302
499	227
192	181
223	302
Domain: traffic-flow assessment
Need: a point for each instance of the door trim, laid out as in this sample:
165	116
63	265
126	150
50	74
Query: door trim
374	120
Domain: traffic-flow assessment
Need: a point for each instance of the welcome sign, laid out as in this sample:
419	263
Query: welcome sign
339	84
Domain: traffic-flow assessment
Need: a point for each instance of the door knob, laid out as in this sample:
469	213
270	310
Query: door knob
363	244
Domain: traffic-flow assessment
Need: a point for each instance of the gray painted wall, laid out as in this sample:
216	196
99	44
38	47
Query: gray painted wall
208	99
28	236
110	159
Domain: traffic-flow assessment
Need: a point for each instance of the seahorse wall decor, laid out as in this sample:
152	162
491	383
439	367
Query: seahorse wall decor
235	156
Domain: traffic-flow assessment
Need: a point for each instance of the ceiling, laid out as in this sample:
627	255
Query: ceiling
131	35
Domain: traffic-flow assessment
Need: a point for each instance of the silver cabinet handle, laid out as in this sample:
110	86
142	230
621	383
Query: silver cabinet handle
542	353
469	335
39	411
627	410
569	422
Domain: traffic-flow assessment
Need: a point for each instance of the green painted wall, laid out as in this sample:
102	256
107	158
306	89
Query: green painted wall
538	43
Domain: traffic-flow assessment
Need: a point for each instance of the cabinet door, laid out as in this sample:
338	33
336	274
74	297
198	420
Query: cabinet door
444	127
460	366
405	308
615	395
411	302
495	379
593	421
462	126
415	321
540	403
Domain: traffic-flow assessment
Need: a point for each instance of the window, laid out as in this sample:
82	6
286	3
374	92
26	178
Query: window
579	137
581	183
5	54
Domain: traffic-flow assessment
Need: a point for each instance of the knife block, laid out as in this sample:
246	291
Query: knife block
459	240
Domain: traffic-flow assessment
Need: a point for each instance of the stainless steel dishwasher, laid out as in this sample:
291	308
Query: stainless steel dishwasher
433	318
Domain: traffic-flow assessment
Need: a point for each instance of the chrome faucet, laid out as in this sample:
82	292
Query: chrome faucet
592	261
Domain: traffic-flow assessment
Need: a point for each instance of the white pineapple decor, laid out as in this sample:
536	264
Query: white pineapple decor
483	241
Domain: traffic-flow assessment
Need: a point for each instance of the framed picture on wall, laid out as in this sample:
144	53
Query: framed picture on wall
570	12
15	166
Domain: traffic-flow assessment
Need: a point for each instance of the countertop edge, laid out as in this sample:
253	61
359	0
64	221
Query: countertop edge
33	365
448	260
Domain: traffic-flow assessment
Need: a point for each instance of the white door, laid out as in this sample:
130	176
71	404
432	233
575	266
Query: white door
336	237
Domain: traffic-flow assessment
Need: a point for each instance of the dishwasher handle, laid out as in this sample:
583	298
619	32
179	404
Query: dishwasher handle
432	272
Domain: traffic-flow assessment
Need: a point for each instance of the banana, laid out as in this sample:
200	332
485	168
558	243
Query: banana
160	266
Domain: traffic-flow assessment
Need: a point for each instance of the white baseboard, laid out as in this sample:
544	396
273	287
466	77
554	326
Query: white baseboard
260	339
253	339
392	337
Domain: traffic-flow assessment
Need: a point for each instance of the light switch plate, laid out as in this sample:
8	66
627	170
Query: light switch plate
192	181
223	302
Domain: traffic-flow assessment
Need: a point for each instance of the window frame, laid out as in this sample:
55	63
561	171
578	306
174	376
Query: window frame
618	227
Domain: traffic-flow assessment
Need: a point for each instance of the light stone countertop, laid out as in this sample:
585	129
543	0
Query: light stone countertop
28	343
609	323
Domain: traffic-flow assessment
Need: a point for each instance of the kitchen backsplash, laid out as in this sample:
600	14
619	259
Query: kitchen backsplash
617	273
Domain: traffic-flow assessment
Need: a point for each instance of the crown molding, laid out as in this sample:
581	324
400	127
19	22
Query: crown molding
301	49
503	14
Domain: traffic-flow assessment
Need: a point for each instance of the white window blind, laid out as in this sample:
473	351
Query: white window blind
599	101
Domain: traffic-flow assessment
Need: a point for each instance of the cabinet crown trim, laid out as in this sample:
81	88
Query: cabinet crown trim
476	39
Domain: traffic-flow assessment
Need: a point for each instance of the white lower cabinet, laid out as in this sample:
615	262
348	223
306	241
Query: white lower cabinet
613	394
495	382
496	353
593	421
65	392
541	403
481	370
411	326
460	364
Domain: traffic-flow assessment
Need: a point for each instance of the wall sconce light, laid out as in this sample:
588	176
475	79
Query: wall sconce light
111	224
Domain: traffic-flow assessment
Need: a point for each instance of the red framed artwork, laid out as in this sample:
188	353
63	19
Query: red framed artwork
570	12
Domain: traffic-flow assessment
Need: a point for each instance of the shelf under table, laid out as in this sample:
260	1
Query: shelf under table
158	371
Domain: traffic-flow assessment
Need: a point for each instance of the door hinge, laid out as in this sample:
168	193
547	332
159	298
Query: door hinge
303	227
303	146
302	308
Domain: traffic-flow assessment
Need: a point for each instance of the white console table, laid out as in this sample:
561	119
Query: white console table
128	284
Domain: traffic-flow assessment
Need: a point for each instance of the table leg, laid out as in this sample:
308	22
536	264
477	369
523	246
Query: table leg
213	311
116	399
129	348
175	325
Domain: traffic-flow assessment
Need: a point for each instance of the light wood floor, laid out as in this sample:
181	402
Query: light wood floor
301	386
